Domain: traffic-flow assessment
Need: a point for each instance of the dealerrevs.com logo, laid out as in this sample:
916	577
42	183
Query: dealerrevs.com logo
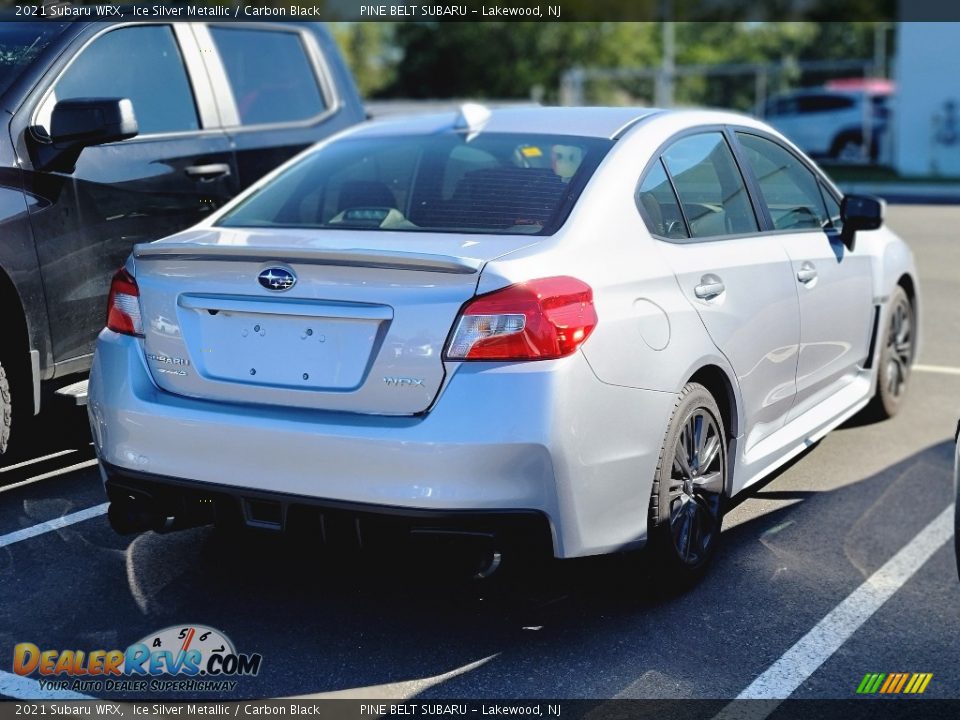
184	658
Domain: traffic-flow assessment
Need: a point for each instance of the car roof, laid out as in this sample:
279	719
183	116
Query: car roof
598	122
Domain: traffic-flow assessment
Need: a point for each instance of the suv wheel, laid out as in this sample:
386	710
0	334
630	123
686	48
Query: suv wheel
686	507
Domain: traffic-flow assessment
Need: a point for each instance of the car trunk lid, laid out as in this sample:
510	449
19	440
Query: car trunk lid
362	328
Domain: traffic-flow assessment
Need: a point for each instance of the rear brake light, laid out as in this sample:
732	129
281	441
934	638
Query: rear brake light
536	320
123	306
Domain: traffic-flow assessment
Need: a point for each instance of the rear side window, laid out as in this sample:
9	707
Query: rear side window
660	206
790	191
140	63
712	192
447	182
270	75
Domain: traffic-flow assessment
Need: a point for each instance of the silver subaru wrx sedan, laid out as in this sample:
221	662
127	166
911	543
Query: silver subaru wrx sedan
590	326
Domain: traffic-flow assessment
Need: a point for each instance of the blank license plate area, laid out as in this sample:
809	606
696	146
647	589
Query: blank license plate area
294	351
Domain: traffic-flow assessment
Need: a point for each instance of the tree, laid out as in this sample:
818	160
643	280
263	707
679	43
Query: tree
510	60
370	53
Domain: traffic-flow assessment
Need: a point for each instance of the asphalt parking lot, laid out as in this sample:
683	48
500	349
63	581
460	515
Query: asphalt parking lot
820	532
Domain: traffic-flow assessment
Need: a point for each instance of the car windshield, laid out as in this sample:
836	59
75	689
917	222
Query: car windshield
447	182
20	44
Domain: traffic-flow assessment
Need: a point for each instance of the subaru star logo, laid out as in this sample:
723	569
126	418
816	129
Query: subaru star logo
277	278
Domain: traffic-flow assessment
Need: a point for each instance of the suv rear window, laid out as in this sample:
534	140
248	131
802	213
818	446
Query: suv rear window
270	75
488	183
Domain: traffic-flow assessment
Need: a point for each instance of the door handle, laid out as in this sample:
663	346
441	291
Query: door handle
710	287
807	273
206	173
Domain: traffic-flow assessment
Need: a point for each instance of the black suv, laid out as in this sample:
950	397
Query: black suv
120	133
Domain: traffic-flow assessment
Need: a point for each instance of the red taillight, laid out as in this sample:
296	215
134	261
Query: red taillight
536	320
123	306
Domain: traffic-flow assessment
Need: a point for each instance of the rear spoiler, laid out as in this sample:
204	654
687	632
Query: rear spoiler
387	259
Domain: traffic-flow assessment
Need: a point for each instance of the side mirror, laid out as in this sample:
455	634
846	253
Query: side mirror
79	123
859	212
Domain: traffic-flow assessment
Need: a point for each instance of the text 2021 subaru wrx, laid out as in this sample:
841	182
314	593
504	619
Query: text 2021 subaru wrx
595	325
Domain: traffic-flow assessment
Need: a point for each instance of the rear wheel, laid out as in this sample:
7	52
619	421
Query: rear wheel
896	356
686	506
851	148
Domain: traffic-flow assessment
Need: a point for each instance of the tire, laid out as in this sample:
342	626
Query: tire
849	148
896	356
6	410
687	502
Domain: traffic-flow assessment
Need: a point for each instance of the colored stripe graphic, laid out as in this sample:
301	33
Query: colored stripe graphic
918	683
891	680
894	683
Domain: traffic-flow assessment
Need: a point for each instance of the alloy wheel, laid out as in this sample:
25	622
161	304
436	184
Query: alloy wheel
899	348
696	487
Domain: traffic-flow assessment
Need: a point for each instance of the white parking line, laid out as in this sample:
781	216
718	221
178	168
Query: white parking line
940	369
35	460
52	473
51	525
24	688
813	649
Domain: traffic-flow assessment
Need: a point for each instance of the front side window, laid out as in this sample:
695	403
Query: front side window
491	183
270	75
790	191
712	192
833	208
140	63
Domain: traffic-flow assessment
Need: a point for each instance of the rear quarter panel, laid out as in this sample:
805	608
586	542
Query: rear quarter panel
648	336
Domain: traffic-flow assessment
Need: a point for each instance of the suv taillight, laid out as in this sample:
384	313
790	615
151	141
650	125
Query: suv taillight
536	320
123	306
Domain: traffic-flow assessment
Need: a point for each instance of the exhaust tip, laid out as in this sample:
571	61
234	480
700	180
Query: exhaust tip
129	518
488	565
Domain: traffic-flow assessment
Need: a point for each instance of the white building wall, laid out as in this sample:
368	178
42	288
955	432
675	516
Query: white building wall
927	109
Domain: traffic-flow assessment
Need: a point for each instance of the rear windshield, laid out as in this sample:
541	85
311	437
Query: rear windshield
486	183
20	44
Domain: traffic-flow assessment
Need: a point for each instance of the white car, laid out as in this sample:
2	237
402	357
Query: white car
845	123
590	326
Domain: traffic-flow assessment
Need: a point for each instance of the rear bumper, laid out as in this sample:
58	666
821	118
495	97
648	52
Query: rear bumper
337	525
546	439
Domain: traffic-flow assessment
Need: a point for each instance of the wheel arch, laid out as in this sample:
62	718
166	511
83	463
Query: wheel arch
909	285
16	346
718	383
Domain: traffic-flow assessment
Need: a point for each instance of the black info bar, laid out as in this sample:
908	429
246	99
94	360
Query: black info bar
853	709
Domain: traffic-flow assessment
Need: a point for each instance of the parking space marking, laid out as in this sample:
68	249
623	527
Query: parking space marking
939	369
24	688
35	460
47	475
51	525
827	636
